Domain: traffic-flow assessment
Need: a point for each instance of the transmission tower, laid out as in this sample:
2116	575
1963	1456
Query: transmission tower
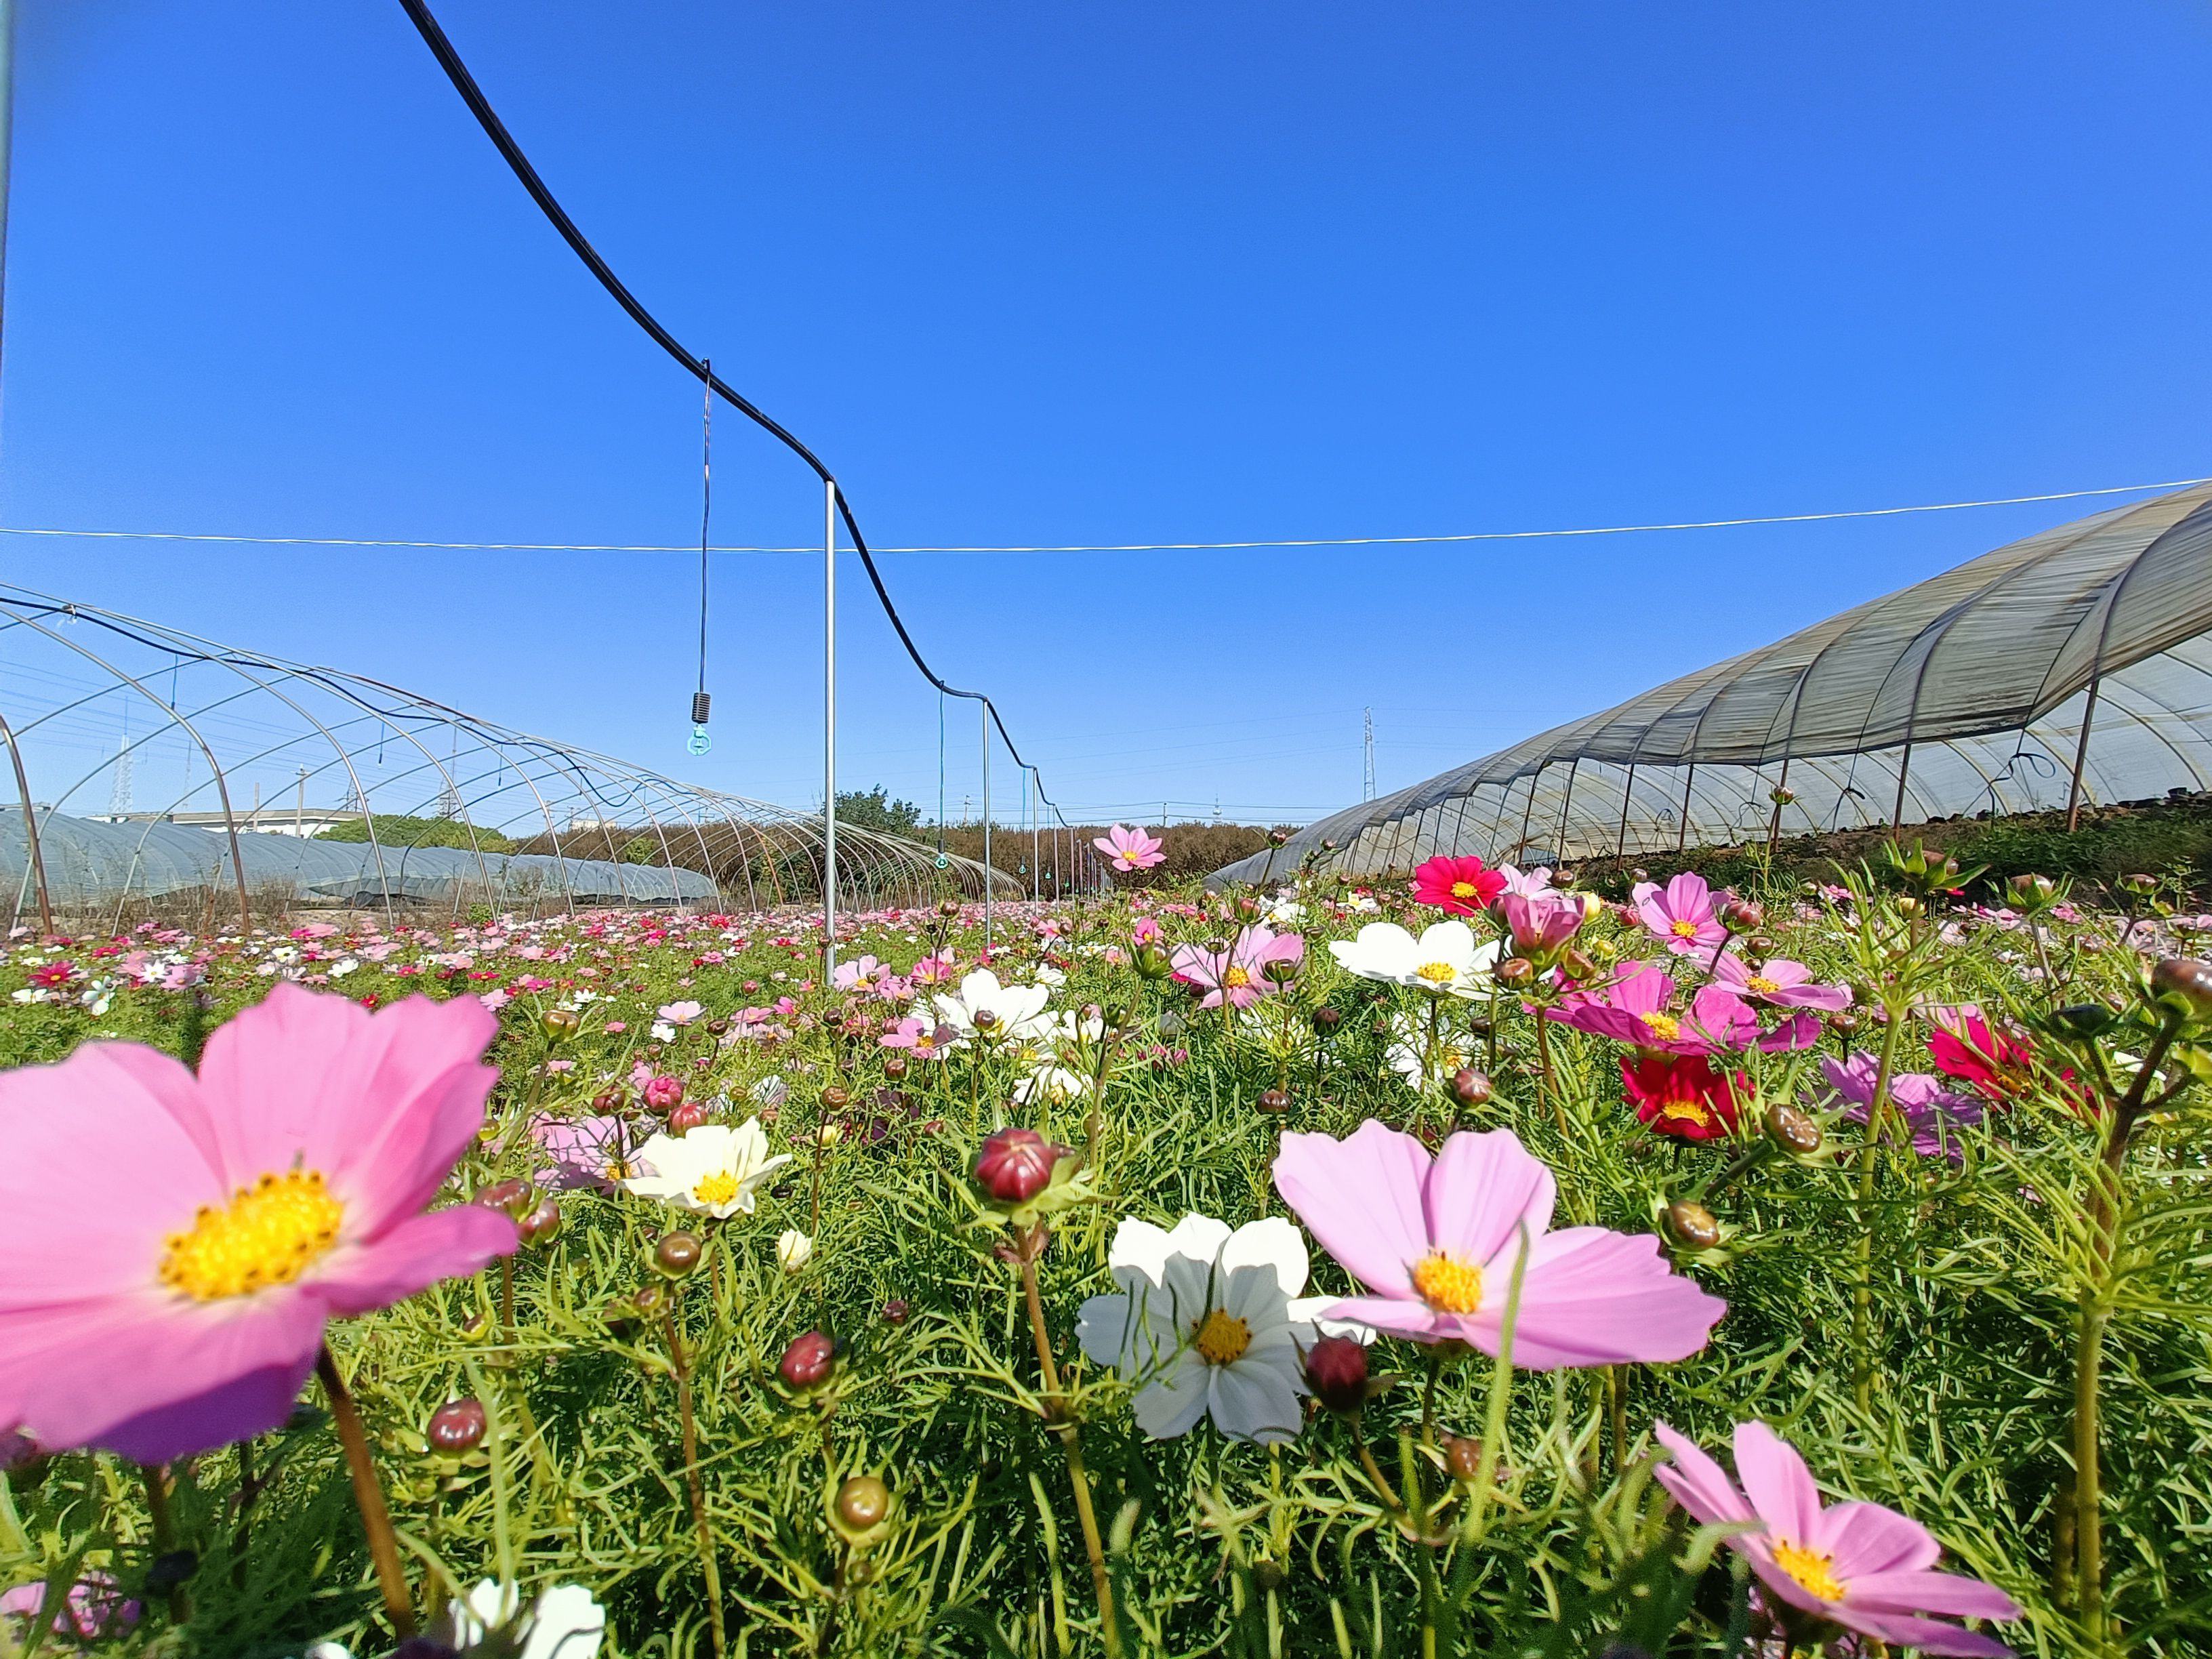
119	803
1368	782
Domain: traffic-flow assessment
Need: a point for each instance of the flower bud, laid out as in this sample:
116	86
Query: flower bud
794	1249
1793	1131
1515	970
1274	1100
609	1101
2088	1019
2032	892
985	1022
1692	1225
896	1313
1151	961
719	1025
457	1427
808	1362
1470	1087
1267	1576
1326	1020
678	1253
863	1502
895	1067
1014	1165
1907	905
687	1118
948	907
2185	983
1336	1374
543	1224
830	1134
1277	837
511	1196
559	1025
1782	797
836	1099
1742	915
664	1094
1280	970
1463	1456
650	1301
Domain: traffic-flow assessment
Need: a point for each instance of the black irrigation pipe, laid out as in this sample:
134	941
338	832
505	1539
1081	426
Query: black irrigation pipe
503	141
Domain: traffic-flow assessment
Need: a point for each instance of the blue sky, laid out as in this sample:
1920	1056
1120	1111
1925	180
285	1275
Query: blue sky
1088	273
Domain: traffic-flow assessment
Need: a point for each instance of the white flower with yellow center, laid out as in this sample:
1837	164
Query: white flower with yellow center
1208	1320
1444	961
1423	1062
1016	1011
712	1170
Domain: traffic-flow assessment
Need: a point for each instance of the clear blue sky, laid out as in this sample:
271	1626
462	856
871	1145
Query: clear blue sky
1081	273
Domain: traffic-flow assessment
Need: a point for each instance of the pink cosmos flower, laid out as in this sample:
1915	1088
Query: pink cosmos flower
932	970
592	1151
1933	1117
679	1013
1459	887
917	1037
93	1608
177	1303
1145	931
1781	983
857	972
1857	1565
1634	1009
1683	915
1540	924
1130	849
1437	1242
1238	973
1529	884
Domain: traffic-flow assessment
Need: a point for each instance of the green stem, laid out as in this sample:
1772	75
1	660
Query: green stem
682	1361
1071	1442
2088	1521
165	1531
1870	1156
368	1497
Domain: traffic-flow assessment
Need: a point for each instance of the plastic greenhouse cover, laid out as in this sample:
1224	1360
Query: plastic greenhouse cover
1968	692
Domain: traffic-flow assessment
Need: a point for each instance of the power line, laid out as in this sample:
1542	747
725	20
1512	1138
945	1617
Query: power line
486	117
1103	547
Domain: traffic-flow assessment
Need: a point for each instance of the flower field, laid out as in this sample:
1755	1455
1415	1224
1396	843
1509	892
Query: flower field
1464	1264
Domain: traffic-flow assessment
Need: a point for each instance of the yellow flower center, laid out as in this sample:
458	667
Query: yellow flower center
1683	929
1760	983
1448	1284
269	1234
720	1187
1464	890
1236	978
1437	973
1665	1027
1814	1571
1221	1338
1687	1111
619	1170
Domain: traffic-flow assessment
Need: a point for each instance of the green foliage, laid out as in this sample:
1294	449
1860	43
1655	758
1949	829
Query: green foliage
872	809
398	830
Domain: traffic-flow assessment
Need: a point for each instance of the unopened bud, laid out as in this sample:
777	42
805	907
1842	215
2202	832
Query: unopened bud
985	1021
650	1301
836	1099
664	1094
808	1362
678	1253
1515	970
863	1502
896	1313
1793	1131
895	1068
948	907
1326	1020
1014	1165
2185	983
1782	797
1743	915
1907	905
1336	1373
1692	1225
1463	1456
1267	1576
608	1102
1277	837
560	1025
687	1118
457	1427
511	1196
1274	1100
1470	1087
2032	892
1280	970
830	1134
542	1223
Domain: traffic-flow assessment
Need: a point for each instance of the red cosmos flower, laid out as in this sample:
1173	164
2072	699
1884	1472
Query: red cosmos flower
1681	1095
1999	1066
1461	887
54	975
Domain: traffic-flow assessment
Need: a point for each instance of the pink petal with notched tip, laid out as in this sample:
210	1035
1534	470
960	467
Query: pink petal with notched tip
1928	1635
1865	1538
1699	1484
382	1103
1779	1486
1918	1591
1592	1297
1362	1198
1480	1191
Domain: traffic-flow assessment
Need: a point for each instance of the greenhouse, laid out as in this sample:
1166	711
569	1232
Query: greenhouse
150	764
2068	669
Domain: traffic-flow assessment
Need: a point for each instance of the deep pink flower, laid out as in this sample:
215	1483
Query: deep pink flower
1634	1008
1239	972
1437	1242
1858	1565
175	1244
1129	849
1681	1095
54	975
2000	1066
1781	983
663	1094
1683	915
1462	887
1144	931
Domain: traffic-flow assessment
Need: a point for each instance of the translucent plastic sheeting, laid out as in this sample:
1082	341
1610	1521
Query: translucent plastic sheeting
116	726
1966	693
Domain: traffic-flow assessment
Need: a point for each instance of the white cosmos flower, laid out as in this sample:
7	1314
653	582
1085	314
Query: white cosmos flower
1445	961
1051	1085
1019	1009
1409	1056
1207	1320
564	1623
794	1249
1049	975
712	1169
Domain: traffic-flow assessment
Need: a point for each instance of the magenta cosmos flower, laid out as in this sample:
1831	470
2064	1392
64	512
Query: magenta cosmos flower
1436	1241
1239	972
1682	914
1459	887
175	1244
1859	1565
1634	1008
1129	849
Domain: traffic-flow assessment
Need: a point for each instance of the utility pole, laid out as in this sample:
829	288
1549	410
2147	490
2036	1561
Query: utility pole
828	729
1368	743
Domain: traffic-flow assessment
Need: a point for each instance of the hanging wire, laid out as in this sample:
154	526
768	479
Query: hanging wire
701	704
940	779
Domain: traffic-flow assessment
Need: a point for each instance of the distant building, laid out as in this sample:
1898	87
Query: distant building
264	820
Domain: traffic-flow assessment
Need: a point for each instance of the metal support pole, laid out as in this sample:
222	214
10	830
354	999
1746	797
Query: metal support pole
2081	757
1689	780
30	822
1037	859
1628	789
1904	769
828	729
988	882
